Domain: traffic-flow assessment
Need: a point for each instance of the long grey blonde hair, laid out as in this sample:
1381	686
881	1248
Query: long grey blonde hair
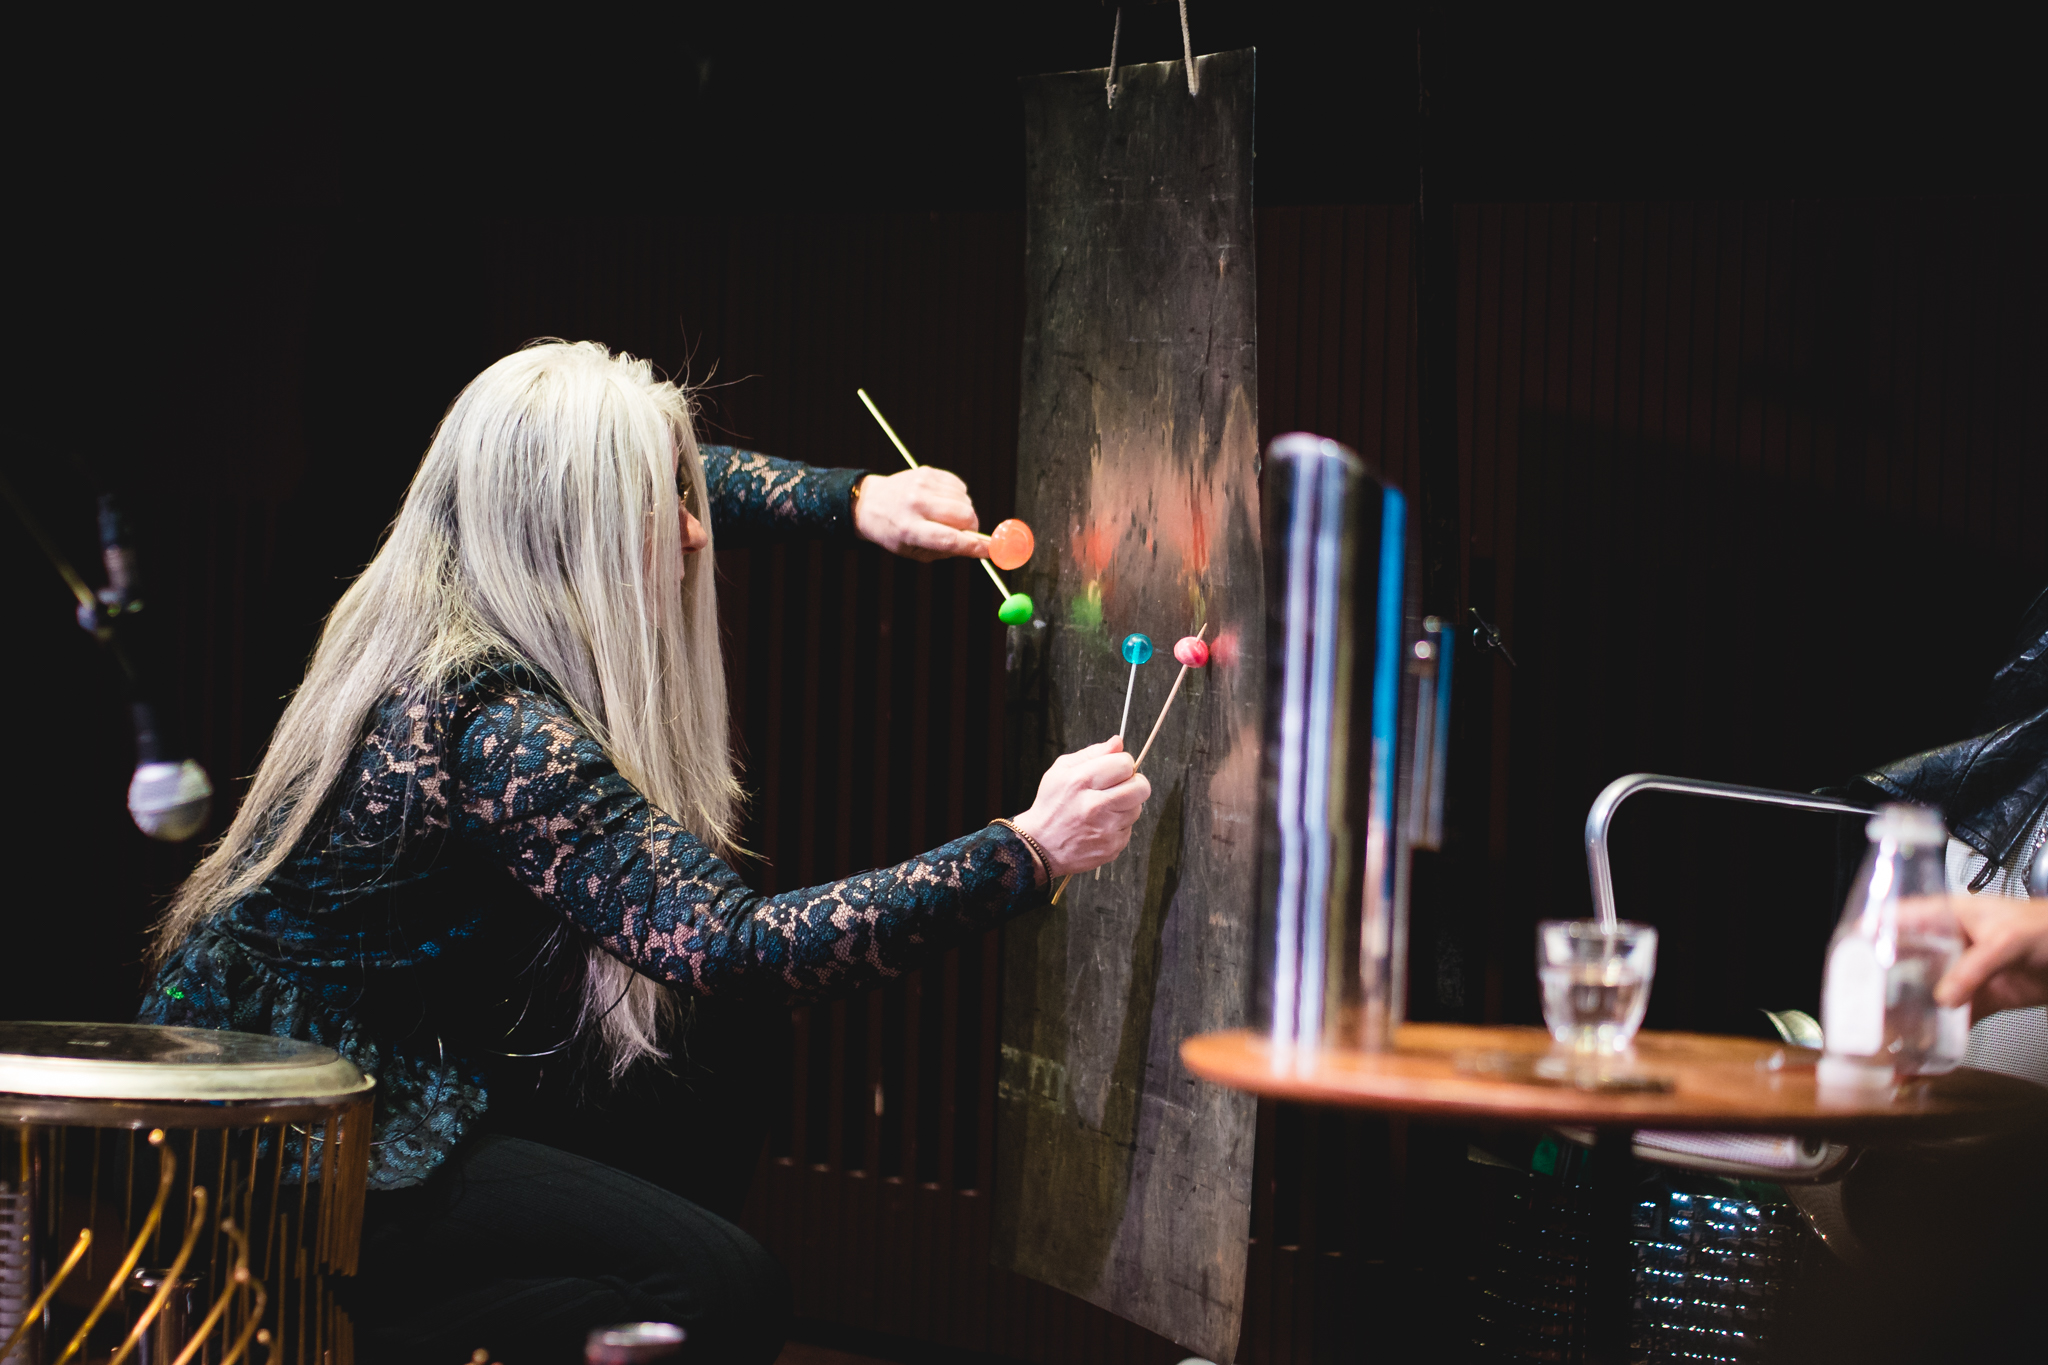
542	525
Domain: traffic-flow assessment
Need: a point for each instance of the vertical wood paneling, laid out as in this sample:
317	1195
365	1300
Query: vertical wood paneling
1336	327
868	704
1682	428
1753	490
1658	418
1714	458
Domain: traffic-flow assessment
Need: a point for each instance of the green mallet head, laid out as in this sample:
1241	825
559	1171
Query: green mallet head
1016	610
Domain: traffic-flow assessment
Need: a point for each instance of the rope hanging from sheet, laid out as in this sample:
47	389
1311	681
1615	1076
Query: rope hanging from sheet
1109	82
1187	48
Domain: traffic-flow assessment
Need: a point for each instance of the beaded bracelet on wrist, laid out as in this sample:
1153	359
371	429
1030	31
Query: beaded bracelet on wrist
1037	849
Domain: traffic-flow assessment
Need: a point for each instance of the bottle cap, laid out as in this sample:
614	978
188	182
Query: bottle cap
631	1342
1904	824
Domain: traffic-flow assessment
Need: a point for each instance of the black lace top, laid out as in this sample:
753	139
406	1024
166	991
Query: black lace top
482	838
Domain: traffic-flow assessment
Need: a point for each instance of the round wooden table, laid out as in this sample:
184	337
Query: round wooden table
1695	1080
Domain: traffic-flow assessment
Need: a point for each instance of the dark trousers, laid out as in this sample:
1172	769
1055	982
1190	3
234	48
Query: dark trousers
521	1249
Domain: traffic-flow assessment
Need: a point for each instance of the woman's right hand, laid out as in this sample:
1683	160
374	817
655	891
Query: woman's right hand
1087	803
2006	964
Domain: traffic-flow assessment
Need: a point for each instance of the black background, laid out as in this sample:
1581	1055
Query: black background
181	185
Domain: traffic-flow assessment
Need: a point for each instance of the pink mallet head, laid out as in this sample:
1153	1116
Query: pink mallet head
1191	651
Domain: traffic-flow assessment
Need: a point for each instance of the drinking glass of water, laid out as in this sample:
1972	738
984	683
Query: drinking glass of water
1596	981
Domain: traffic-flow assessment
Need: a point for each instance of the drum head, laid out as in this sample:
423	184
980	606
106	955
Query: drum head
153	1062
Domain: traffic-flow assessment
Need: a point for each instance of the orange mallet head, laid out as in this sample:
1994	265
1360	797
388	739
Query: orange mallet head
1010	544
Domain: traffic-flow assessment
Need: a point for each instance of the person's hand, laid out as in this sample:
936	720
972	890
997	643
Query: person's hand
1087	803
2005	966
922	513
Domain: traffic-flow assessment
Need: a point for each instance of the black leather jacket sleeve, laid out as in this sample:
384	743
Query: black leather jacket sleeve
1990	787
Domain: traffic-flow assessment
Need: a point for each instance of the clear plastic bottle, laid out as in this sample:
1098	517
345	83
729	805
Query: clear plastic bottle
1879	1021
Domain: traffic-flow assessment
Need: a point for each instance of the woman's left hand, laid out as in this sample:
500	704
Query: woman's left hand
922	513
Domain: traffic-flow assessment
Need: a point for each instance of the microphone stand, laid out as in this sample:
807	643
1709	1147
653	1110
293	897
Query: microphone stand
169	798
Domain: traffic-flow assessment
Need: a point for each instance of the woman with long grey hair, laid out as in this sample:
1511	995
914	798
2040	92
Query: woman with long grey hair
508	774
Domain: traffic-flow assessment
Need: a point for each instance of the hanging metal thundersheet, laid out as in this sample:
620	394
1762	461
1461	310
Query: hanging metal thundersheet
1120	1177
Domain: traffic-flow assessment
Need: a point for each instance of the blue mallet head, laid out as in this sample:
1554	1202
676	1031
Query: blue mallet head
1137	649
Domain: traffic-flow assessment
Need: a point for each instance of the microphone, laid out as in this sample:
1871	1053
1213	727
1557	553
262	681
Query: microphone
169	797
168	800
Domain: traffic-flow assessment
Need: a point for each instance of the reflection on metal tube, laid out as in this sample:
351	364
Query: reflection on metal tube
1335	552
1430	758
1601	815
161	1303
20	1304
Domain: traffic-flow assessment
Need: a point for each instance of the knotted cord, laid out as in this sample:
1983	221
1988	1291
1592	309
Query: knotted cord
1187	47
1109	81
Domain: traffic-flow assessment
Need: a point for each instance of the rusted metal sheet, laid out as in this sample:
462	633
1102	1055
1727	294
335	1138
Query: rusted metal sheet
1119	1177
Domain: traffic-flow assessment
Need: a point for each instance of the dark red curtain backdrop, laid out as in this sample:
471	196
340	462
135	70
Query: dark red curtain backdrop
1754	490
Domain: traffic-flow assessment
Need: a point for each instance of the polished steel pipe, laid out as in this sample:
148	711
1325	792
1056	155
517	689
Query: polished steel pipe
168	1332
1622	788
19	1259
1331	963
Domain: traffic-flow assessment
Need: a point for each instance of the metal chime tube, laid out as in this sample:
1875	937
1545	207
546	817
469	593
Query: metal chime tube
169	1330
1335	544
19	1245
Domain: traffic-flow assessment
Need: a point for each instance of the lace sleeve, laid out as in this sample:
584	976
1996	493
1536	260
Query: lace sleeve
536	794
757	496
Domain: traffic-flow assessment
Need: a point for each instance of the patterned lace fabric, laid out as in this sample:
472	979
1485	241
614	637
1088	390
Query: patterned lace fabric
478	842
753	496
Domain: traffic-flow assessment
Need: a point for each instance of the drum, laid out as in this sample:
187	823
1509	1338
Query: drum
176	1196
